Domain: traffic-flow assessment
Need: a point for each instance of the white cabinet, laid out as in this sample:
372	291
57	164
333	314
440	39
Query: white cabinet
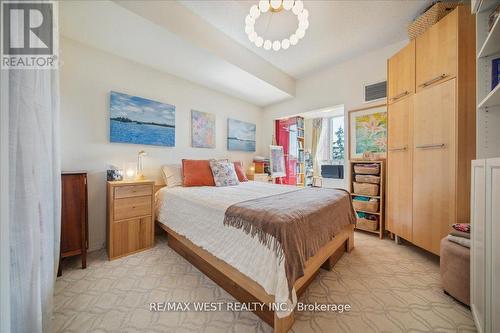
485	251
485	201
493	222
478	268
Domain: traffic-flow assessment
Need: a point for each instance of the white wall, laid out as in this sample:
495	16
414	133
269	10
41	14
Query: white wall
339	84
87	77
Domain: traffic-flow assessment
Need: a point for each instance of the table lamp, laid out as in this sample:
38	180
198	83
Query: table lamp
140	166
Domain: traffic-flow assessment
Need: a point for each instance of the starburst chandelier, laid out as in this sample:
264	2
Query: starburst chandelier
275	6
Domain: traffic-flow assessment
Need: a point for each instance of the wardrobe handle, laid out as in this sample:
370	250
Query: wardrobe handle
398	148
430	146
431	81
403	94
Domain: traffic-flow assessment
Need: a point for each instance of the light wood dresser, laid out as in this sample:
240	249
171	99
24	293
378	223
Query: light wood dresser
130	217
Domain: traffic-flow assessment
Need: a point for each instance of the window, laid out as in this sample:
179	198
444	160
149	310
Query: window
336	133
331	152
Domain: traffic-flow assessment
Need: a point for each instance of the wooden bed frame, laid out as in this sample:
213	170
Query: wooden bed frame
244	289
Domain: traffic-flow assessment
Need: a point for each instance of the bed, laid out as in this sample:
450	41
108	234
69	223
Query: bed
194	220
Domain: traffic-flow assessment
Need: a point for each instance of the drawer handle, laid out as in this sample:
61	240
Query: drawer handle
398	148
431	81
403	94
430	146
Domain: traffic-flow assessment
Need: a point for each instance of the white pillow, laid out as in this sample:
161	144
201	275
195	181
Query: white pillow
172	174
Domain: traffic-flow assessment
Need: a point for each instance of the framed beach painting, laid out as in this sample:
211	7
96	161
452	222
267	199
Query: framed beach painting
241	135
142	121
202	129
368	132
277	161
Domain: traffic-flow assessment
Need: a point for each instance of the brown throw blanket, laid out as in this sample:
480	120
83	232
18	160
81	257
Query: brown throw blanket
296	224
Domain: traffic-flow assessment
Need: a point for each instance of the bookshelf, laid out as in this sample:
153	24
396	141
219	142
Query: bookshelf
488	96
301	169
360	188
290	135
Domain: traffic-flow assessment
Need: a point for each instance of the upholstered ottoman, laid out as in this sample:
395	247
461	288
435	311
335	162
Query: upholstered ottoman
455	270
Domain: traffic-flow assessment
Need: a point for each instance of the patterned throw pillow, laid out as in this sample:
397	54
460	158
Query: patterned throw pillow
238	167
224	173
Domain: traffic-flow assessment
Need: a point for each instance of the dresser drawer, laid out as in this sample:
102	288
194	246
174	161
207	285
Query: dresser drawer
133	191
132	207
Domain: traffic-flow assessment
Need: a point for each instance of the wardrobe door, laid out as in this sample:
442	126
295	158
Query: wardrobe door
401	74
434	165
399	168
436	52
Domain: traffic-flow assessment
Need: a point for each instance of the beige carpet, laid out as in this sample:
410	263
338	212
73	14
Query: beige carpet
391	288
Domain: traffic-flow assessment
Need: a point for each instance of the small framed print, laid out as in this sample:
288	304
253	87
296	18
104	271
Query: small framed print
277	162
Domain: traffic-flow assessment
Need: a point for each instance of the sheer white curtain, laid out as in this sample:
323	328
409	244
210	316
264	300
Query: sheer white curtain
4	206
323	150
316	133
34	198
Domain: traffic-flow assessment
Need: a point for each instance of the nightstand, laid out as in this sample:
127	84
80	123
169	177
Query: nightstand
130	220
259	177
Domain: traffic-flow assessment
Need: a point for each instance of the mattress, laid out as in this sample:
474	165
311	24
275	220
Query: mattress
197	213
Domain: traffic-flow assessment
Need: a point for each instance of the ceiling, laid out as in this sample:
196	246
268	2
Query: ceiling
205	42
338	30
169	38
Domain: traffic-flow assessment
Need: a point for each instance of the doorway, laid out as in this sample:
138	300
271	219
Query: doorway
325	134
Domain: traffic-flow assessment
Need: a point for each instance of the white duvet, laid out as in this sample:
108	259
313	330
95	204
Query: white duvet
198	214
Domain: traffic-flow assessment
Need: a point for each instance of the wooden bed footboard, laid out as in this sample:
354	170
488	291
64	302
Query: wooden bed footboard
244	289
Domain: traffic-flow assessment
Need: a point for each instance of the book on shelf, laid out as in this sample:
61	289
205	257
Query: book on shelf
301	156
261	165
495	72
299	168
260	159
300	122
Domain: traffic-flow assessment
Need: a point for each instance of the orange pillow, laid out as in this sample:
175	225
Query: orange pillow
197	173
238	167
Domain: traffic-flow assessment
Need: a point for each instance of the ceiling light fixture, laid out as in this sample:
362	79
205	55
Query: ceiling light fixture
275	6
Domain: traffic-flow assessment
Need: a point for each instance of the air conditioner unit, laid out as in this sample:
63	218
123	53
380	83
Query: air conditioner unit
376	91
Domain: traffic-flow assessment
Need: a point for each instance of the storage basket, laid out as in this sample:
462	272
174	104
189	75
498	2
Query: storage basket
366	206
367	169
365	188
368	179
366	224
430	17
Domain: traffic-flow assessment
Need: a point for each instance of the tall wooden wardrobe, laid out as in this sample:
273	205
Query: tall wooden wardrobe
431	131
74	216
